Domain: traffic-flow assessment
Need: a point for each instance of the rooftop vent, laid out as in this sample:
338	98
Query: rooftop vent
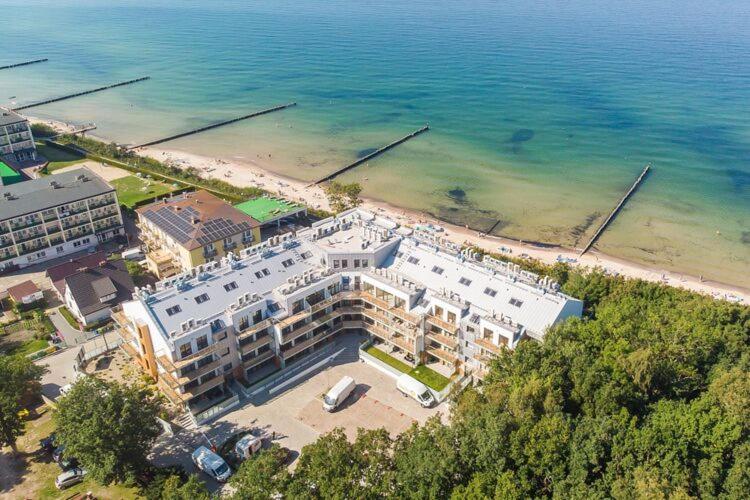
54	184
82	178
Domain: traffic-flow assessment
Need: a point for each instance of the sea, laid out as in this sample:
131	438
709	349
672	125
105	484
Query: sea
541	113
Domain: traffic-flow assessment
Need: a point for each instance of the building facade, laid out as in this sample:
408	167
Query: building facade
16	139
54	216
191	229
412	293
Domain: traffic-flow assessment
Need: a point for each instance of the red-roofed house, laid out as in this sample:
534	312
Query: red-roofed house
25	293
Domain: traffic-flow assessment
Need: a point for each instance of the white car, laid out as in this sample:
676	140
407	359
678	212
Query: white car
212	464
65	389
69	478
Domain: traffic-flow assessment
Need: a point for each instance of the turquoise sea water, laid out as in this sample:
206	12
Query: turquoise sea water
541	113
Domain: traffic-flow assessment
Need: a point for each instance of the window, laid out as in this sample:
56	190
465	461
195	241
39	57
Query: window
200	299
437	270
186	350
173	310
266	272
344	263
230	286
465	281
356	263
202	342
490	292
336	264
258	274
515	302
399	254
273	307
412	260
364	263
287	263
306	255
228	367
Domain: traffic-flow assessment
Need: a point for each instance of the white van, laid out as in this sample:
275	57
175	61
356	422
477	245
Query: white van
247	446
415	389
212	464
134	253
338	393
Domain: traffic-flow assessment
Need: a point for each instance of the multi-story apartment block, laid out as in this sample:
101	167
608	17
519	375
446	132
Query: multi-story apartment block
53	216
16	139
280	300
191	229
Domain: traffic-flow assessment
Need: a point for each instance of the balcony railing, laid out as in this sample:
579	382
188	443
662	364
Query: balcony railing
442	324
312	325
187	377
301	346
260	342
15	226
200	389
72	225
442	354
486	344
30	237
443	340
256	360
387	336
210	349
254	328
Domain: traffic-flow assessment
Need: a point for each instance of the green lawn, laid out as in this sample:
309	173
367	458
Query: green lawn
28	347
58	158
427	376
132	189
72	321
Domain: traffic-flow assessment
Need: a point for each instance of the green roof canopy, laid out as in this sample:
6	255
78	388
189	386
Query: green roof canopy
8	175
266	209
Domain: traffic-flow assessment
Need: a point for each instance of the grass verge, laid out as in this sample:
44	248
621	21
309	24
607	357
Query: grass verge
427	376
72	321
132	189
58	158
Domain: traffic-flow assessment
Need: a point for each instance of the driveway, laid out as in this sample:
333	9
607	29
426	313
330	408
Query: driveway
70	335
290	407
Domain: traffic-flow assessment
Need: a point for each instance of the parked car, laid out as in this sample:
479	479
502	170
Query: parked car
338	393
415	389
69	478
212	464
247	446
48	444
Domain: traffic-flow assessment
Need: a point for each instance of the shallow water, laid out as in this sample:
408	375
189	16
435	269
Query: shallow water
541	113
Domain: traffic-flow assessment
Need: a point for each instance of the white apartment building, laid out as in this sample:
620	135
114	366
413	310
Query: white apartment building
249	315
16	139
53	216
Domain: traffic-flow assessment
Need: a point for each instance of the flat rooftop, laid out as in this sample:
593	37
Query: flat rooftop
8	175
266	209
8	117
34	195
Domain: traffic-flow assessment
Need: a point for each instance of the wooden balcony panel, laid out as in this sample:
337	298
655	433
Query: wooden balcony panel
486	344
309	342
210	349
265	339
258	359
205	386
310	326
166	363
213	365
442	324
169	392
442	354
444	340
250	330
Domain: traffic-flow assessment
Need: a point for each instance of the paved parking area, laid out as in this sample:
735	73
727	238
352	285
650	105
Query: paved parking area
291	407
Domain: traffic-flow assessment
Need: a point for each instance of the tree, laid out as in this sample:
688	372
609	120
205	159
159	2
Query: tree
19	384
343	196
261	476
108	427
175	488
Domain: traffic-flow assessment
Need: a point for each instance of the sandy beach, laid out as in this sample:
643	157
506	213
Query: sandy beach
257	172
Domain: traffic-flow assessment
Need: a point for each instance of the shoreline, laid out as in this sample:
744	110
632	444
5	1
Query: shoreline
253	173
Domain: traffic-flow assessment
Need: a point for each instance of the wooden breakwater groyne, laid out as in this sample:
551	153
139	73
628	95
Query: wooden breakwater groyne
81	130
615	210
372	155
24	63
214	125
78	94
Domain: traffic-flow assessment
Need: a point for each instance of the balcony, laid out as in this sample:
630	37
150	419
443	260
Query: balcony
32	250
310	326
231	246
23	225
442	355
444	340
70	211
30	237
203	370
103	228
254	328
204	387
301	346
102	203
258	359
210	349
6	243
442	324
389	337
486	344
210	254
78	223
259	342
382	304
104	215
71	235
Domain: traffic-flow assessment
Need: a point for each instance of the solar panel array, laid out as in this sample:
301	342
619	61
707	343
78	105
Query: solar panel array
179	225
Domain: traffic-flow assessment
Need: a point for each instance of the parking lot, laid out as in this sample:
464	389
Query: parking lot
290	408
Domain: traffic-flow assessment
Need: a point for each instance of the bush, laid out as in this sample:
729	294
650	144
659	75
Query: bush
42	130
